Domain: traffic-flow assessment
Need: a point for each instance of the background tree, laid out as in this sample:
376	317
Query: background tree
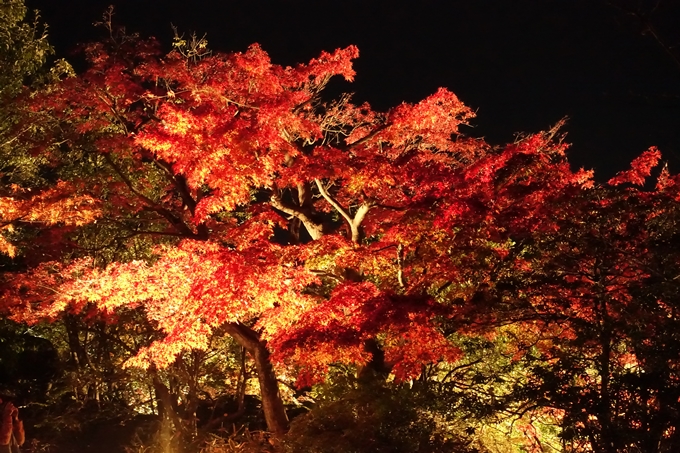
24	47
594	298
24	51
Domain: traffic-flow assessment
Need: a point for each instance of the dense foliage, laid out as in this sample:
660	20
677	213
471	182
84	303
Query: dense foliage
195	228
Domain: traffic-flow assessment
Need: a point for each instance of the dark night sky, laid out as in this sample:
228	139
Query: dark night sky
522	64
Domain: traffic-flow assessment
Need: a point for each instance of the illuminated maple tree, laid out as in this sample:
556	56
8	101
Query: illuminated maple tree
226	153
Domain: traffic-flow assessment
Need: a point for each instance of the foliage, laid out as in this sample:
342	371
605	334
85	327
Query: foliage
199	151
596	296
24	50
23	47
373	417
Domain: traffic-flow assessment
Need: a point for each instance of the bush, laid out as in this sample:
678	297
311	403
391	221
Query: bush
375	417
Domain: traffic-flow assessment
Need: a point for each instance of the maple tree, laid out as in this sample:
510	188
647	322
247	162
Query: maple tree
304	224
314	227
214	152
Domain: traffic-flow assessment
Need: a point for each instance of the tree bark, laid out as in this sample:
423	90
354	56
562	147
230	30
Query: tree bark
604	410
171	440
272	404
314	229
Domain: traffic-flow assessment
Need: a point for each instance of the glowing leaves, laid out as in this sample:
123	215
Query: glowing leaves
232	121
641	168
329	333
59	205
445	233
335	331
430	123
511	190
410	224
190	290
162	353
179	121
254	63
409	346
35	294
336	63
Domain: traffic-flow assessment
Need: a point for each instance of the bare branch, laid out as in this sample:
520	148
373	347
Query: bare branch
400	265
354	223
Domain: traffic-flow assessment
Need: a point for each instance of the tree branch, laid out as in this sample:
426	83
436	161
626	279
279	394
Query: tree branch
169	216
369	136
354	223
314	229
400	265
180	184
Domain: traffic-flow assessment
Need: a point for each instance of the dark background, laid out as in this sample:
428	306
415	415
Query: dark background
522	64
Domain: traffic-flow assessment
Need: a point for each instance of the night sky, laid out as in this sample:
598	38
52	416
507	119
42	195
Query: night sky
521	64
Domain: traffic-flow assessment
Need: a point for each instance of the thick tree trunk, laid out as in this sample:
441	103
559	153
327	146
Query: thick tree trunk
376	368
166	408
272	404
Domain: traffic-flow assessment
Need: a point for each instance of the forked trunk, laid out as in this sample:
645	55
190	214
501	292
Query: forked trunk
272	404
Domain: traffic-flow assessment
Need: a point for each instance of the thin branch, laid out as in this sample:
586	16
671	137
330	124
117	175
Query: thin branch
400	265
174	221
458	368
369	135
647	26
331	275
180	184
324	193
